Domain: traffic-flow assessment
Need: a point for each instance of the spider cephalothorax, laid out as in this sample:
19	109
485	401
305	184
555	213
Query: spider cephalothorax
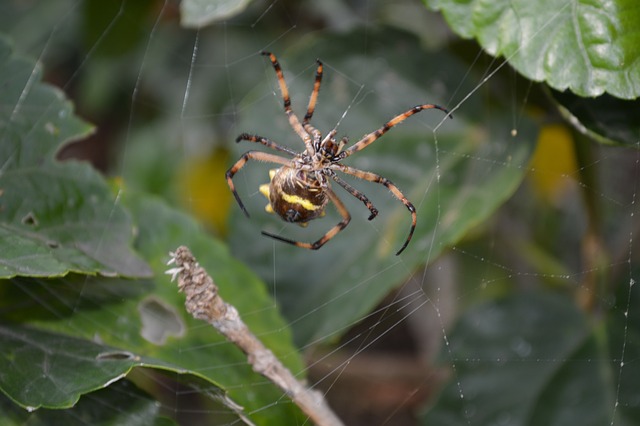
299	190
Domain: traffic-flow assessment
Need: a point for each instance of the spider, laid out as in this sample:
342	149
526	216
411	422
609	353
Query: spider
300	189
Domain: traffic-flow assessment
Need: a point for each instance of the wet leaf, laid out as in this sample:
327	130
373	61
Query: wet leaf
588	47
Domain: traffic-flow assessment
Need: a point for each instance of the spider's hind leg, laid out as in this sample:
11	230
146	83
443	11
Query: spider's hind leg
250	155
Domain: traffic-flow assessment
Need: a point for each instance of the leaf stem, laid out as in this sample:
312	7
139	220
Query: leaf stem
594	253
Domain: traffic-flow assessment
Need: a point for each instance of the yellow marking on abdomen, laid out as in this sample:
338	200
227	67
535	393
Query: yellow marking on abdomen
264	190
295	199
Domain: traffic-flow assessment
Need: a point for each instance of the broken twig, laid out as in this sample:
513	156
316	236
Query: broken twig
204	302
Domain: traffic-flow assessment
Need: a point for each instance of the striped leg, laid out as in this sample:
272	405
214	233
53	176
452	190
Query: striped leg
373	136
293	120
372	177
251	155
314	94
266	142
359	195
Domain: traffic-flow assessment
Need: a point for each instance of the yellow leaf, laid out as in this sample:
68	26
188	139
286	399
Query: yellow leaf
204	189
554	165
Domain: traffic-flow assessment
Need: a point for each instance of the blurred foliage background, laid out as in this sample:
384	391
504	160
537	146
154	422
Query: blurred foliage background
514	303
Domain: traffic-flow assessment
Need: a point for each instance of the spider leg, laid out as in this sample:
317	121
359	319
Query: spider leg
372	177
251	155
346	218
359	195
293	120
266	142
373	136
314	94
317	136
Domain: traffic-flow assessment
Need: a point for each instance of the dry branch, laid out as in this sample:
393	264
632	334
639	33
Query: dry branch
204	302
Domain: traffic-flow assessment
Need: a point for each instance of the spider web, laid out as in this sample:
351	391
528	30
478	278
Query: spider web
515	250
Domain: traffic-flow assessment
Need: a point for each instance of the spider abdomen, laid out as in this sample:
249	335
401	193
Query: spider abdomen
295	195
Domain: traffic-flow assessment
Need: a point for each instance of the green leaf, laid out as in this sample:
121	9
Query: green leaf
44	369
55	218
605	119
549	357
588	46
200	13
113	28
455	177
148	320
60	368
119	404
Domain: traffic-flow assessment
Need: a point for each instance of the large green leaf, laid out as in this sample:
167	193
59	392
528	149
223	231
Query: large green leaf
456	177
66	367
55	218
119	404
588	46
535	359
147	319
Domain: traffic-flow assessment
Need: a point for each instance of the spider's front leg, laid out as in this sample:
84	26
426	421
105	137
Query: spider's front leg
314	94
293	119
374	136
359	195
266	142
